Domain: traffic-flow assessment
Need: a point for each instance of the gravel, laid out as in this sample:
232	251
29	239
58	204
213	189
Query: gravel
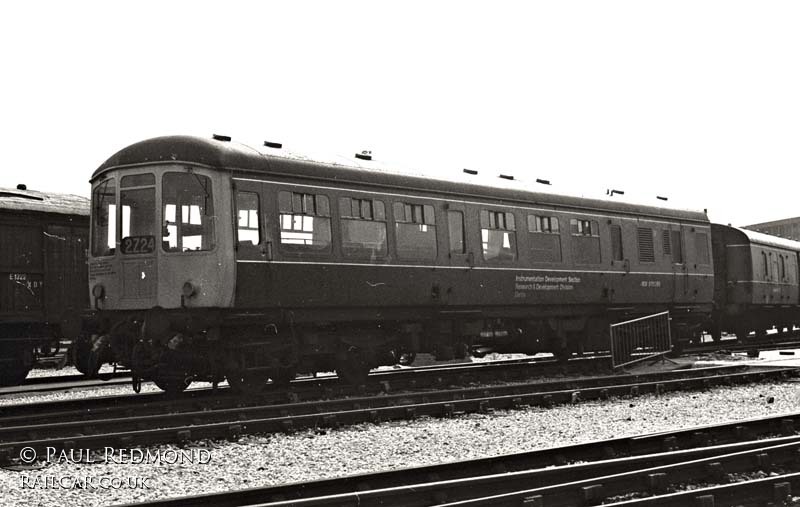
276	459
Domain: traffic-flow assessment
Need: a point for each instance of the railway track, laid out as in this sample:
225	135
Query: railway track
751	346
63	382
126	426
479	371
652	468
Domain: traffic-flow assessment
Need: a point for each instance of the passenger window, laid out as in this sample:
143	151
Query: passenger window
765	265
304	221
415	229
363	227
104	217
585	241
545	238
248	230
455	226
188	212
498	238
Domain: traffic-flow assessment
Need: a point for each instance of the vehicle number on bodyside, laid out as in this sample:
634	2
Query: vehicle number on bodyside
138	244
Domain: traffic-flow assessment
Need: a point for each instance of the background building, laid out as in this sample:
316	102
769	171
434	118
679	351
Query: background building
787	228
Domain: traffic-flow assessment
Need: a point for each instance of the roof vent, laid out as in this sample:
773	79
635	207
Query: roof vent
470	171
270	144
543	182
364	155
507	176
615	191
218	137
22	186
661	198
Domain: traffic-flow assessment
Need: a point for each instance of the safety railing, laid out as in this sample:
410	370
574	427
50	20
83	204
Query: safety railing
640	339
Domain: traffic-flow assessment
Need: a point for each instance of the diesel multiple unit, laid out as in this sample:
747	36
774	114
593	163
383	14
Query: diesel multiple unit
213	260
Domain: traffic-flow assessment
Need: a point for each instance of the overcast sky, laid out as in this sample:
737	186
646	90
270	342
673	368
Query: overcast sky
697	101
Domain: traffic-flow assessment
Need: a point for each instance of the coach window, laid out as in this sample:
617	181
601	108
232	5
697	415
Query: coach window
363	227
765	264
247	213
545	238
498	238
104	215
585	241
137	200
782	267
415	228
455	227
188	207
305	222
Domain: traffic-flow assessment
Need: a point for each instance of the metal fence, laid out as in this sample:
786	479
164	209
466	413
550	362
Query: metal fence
640	339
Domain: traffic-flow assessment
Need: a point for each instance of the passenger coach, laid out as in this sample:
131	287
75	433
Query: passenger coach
757	282
211	259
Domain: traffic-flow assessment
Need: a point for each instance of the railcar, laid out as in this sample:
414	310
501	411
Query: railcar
211	259
43	274
756	282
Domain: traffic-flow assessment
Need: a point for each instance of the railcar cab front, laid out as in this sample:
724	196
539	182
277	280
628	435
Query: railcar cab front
159	260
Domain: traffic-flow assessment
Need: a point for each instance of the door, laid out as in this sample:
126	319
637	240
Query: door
252	247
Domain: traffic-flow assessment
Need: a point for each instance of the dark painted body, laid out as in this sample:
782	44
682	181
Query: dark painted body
615	261
757	281
43	242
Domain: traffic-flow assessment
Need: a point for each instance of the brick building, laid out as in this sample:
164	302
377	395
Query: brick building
788	228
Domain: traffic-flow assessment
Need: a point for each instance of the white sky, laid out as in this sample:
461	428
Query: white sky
698	101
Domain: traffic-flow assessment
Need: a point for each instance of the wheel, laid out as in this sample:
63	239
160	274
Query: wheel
14	367
172	383
353	369
81	356
282	376
562	354
716	334
245	382
407	358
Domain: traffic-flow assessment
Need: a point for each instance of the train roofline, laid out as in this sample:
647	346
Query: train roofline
44	202
230	156
760	238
